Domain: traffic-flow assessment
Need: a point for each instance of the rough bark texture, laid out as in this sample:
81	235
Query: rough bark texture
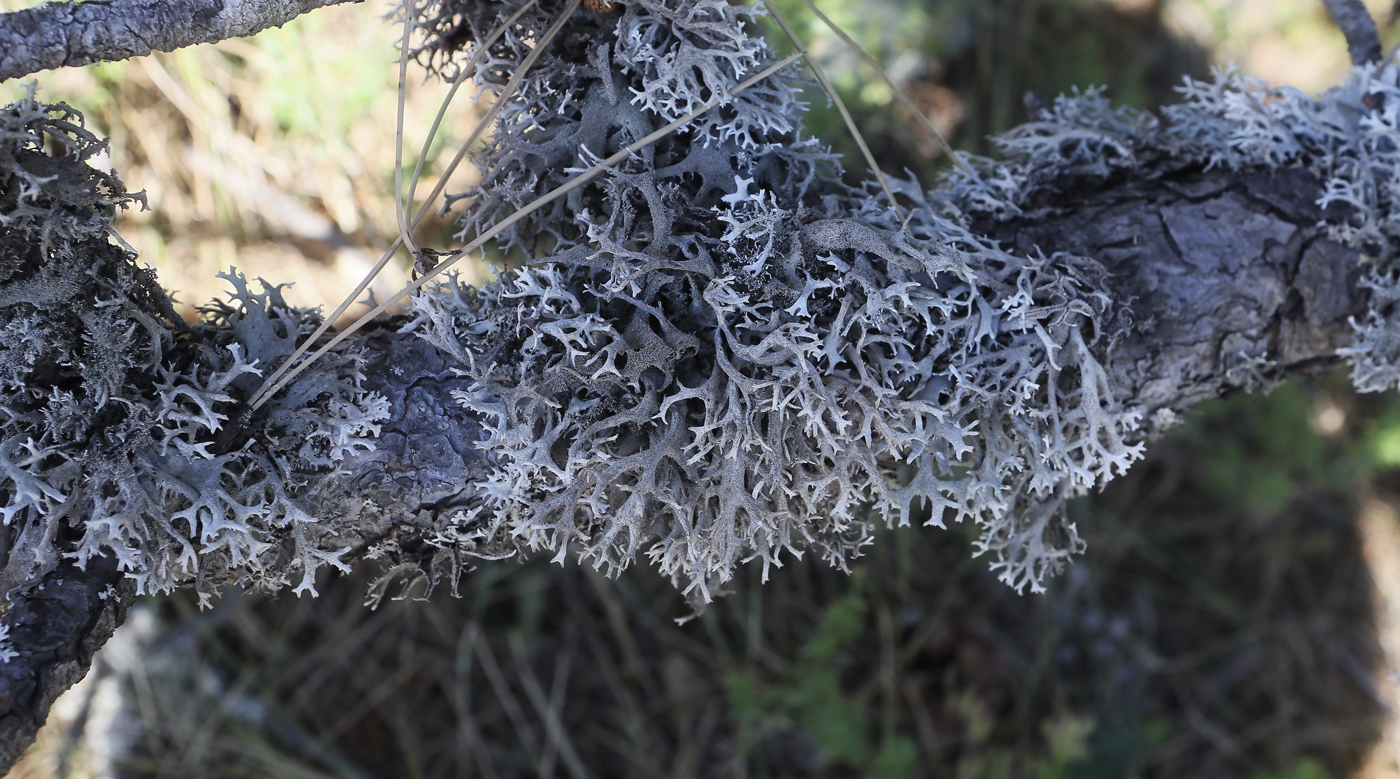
1212	266
60	625
1226	278
56	35
424	456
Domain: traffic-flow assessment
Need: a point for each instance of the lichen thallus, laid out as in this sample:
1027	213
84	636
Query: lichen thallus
431	264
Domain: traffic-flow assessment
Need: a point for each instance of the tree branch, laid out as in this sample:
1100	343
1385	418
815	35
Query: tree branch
1215	267
56	35
56	628
727	354
1356	24
1211	264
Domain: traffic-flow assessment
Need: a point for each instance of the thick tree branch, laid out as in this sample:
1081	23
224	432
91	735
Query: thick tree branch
56	35
1213	266
56	628
727	355
1217	269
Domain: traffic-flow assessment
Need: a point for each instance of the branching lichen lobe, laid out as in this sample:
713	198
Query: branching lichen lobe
722	352
111	404
719	352
726	353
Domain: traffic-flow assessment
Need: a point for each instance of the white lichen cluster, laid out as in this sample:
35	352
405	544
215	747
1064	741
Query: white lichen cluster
1349	137
7	648
109	423
721	353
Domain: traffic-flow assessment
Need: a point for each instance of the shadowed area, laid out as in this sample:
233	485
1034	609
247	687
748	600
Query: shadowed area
1221	625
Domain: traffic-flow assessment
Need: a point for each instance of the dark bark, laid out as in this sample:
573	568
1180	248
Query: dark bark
1211	267
425	454
56	35
57	627
1214	268
1363	43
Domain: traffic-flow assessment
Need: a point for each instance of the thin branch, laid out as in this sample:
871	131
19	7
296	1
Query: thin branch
1356	23
457	82
57	35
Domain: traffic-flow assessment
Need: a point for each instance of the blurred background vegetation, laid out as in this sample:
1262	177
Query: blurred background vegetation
1237	613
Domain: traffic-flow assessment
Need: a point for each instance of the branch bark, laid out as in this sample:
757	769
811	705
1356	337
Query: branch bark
58	626
1213	269
56	35
1363	42
1211	265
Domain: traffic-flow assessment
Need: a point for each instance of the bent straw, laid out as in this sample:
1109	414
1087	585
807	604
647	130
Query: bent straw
895	88
486	119
447	101
410	22
258	397
840	104
535	205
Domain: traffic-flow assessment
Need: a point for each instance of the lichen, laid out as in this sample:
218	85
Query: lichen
722	353
111	406
718	352
7	648
1349	137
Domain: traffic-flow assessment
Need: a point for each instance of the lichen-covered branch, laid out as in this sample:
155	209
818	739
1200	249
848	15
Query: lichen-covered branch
70	34
719	353
1227	278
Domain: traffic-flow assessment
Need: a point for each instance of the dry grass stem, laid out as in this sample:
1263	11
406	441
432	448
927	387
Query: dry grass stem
410	16
840	104
450	260
465	73
405	233
898	91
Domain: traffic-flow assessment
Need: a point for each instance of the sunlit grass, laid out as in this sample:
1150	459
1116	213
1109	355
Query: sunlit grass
274	154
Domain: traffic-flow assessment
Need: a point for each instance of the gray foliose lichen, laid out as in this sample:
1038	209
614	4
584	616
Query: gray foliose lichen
721	353
110	405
